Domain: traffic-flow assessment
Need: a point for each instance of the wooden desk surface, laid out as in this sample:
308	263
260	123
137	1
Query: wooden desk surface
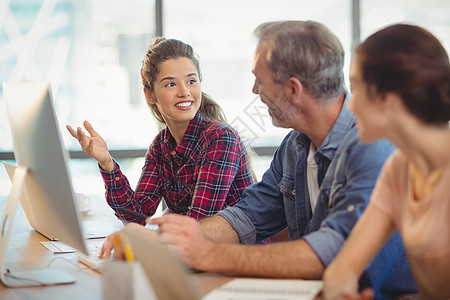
26	253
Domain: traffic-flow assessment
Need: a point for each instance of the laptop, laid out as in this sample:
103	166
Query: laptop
170	280
165	272
91	229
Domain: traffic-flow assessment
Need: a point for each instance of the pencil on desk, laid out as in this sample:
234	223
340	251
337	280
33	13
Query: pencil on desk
129	256
121	243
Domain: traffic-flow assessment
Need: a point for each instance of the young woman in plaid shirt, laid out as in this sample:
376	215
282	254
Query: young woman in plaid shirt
198	163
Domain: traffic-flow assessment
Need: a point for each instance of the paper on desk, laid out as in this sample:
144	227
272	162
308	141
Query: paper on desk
263	289
57	247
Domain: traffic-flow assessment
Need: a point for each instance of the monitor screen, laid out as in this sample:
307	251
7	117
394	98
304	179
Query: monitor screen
38	147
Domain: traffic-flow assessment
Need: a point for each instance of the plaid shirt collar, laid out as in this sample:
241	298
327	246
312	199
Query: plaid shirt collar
180	153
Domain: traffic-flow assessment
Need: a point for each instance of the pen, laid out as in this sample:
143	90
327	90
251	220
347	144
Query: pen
132	213
139	216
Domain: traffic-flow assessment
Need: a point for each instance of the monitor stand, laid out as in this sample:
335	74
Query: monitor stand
9	278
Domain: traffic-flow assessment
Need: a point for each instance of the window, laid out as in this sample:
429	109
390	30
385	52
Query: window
91	52
221	33
432	15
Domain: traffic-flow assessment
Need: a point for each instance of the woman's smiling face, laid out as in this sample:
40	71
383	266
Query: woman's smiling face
177	91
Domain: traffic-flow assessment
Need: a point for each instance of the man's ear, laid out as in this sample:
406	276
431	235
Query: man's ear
149	96
293	88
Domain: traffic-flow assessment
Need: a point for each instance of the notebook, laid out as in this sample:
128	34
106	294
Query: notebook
261	288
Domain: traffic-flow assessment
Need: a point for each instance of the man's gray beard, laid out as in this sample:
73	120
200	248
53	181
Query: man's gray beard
281	105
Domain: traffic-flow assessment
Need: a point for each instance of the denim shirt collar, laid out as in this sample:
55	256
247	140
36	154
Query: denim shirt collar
342	125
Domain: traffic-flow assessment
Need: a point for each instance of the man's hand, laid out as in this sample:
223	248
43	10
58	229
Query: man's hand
185	236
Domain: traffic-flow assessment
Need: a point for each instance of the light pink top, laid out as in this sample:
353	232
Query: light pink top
424	225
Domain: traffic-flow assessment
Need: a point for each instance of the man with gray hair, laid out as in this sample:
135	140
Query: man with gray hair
319	181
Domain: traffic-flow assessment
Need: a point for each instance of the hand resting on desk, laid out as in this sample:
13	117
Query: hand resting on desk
185	236
118	241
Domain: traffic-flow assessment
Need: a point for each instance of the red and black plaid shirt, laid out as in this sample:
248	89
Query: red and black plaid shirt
207	171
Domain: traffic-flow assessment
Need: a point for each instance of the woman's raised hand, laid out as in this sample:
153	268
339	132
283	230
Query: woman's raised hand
93	145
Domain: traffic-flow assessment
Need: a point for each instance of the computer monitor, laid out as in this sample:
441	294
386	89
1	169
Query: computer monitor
42	174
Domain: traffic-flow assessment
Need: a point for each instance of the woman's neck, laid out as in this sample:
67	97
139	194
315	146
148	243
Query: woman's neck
427	146
177	133
177	129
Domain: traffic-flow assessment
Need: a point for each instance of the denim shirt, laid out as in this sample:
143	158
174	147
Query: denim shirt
347	172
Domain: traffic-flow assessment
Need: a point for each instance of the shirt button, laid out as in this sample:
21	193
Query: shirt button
117	178
351	207
174	153
128	200
293	192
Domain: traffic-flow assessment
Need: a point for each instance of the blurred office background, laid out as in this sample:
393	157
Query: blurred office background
91	52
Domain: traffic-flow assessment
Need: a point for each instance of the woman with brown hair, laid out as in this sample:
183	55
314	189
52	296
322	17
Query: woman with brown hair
400	79
198	163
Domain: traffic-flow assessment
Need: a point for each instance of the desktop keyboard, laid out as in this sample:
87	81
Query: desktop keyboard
92	261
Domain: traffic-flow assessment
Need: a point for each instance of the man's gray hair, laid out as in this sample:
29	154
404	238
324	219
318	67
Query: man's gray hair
306	50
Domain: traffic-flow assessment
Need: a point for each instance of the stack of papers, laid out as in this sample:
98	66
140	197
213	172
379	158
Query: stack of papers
265	289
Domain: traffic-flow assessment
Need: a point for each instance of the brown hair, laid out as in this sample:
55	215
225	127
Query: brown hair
410	61
164	49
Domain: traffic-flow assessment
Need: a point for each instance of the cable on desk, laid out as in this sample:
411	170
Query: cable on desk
67	260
